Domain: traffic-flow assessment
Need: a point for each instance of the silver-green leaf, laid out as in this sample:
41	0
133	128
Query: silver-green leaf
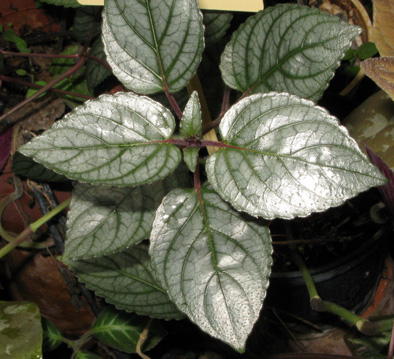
214	264
286	48
114	140
191	123
149	42
216	24
25	166
190	156
126	280
104	219
287	157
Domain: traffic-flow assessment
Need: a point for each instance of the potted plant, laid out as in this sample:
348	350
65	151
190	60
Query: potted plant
270	153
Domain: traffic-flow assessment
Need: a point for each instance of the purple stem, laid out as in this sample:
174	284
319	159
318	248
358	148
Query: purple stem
75	68
391	346
52	56
29	84
198	143
173	102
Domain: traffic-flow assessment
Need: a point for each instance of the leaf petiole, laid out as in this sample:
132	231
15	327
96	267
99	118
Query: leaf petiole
37	224
32	228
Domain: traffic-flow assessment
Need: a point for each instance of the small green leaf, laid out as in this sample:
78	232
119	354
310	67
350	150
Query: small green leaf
114	140
190	156
148	42
95	72
75	83
20	330
31	92
352	71
121	330
287	48
286	158
214	264
103	220
367	50
52	336
350	55
25	166
21	72
61	65
11	36
191	119
216	24
126	280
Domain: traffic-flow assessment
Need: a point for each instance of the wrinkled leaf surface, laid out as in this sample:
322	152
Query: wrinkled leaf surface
216	24
27	167
126	280
190	156
151	40
214	264
288	158
286	48
191	119
103	219
110	141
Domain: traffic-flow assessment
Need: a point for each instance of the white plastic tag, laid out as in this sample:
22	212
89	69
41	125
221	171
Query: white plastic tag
228	5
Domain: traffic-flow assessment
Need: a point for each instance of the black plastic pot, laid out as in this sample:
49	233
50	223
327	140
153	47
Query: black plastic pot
349	282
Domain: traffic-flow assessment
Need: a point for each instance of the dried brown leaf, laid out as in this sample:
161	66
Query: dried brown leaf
383	26
381	70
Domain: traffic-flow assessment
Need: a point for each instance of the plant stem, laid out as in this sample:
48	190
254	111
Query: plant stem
375	327
29	84
173	102
52	56
46	200
37	224
4	124
365	326
325	306
210	134
306	274
16	242
101	62
390	353
198	143
32	228
142	339
225	106
226	100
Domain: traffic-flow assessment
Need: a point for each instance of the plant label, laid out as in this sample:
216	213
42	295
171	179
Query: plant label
229	5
